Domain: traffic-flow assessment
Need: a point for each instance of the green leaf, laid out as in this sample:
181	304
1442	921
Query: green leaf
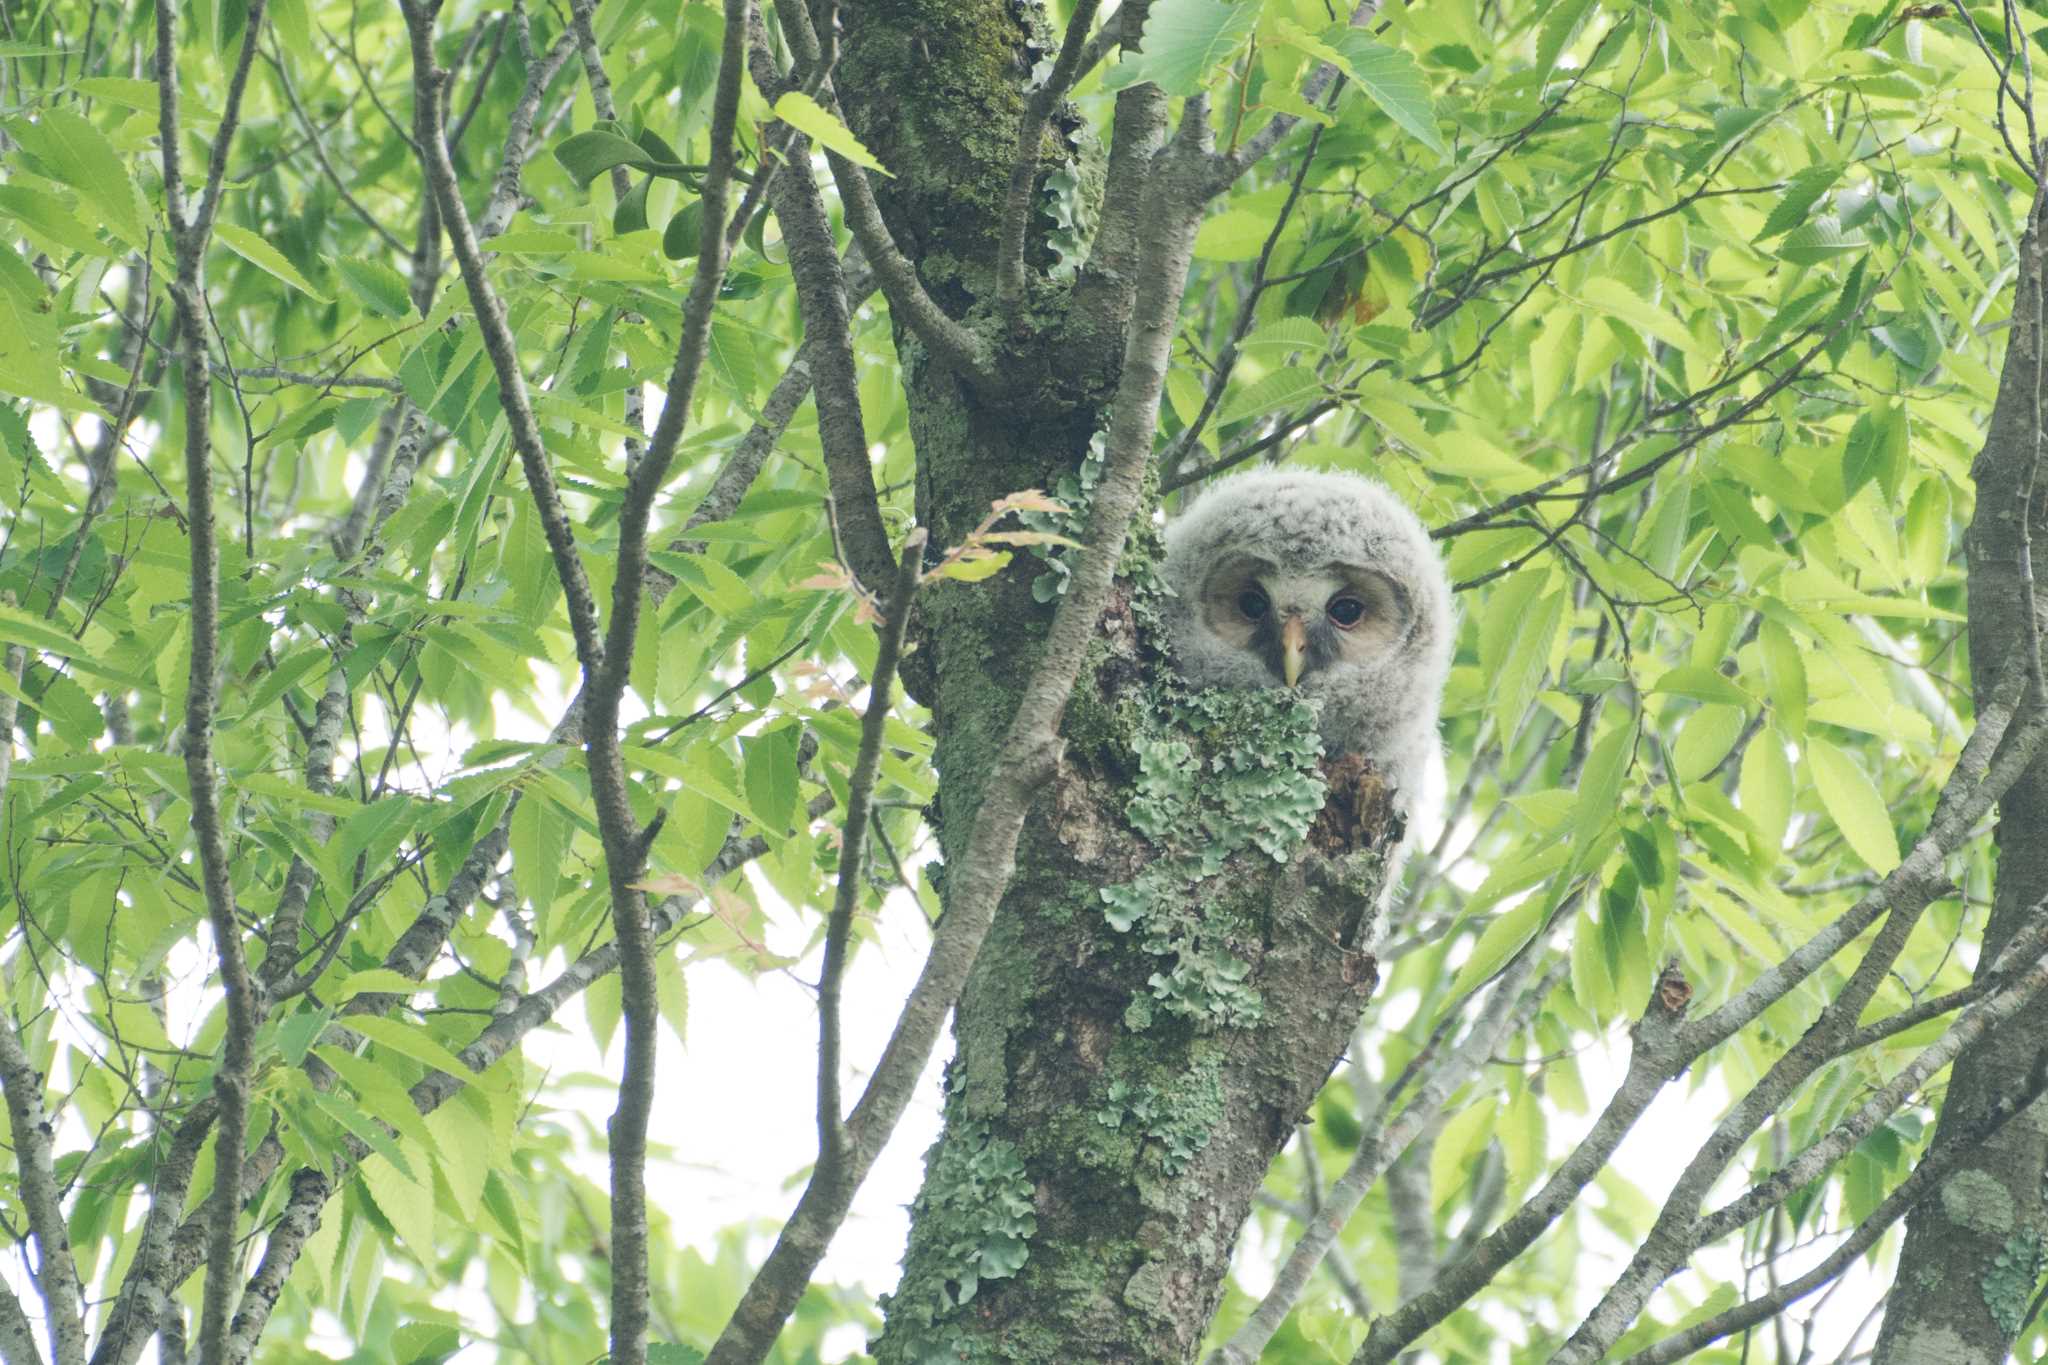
684	236
1927	518
1853	803
75	152
382	980
1785	677
769	774
540	849
1390	79
1601	779
1802	192
1455	1155
631	213
1233	235
264	256
1703	684
1184	41
1290	387
45	213
1502	940
588	155
1705	739
376	286
1820	240
1766	787
19	628
1876	450
410	1040
1288	334
814	121
407	1204
1616	299
1526	612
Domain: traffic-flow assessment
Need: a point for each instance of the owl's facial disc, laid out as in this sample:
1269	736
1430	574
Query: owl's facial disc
1300	622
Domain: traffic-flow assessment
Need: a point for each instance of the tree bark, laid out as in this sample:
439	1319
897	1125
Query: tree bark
1975	1248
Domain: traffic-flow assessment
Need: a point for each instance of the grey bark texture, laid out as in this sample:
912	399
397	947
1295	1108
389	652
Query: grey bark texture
1974	1248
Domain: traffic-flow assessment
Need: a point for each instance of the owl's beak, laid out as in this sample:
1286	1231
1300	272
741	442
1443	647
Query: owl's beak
1293	648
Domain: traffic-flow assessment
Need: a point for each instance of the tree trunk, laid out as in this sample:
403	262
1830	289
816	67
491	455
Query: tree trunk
1975	1248
1176	968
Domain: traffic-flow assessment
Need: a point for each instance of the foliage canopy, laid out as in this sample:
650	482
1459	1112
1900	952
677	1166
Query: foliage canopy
1679	322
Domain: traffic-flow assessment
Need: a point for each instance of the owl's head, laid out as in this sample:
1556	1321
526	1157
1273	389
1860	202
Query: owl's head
1320	581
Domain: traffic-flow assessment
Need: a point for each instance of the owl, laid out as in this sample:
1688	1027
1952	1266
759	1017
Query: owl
1325	583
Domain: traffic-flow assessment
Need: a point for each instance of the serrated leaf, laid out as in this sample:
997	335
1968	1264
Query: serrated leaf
817	123
406	1204
1853	803
382	980
265	257
1232	235
1184	41
19	628
75	152
1617	300
1784	676
377	286
1927	518
410	1040
1765	787
1288	334
1601	779
1703	684
1502	940
1802	192
1280	389
1390	79
1820	240
1876	449
45	213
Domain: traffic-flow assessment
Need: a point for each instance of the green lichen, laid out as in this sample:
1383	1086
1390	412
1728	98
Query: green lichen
2008	1287
1174	1121
972	1221
1977	1201
1223	774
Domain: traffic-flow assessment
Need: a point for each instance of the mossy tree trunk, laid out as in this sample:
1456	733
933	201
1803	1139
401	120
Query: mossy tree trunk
1177	965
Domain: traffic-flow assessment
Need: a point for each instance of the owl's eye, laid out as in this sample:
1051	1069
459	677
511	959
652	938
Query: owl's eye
1346	612
1252	603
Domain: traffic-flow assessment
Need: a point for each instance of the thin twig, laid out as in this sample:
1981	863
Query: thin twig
860	793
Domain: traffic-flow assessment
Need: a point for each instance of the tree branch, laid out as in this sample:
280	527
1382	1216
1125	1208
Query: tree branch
56	1274
1680	1230
1505	1011
1992	760
860	792
826	311
1024	172
956	347
300	1220
1105	286
244	1005
17	1333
